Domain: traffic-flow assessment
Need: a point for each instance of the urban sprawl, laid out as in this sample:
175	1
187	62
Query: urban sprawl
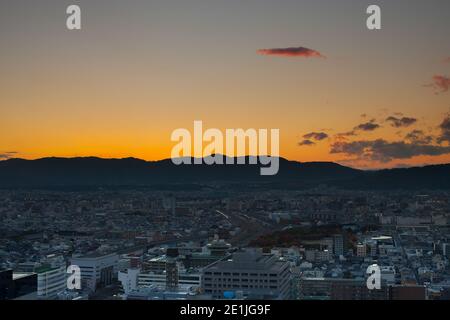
220	243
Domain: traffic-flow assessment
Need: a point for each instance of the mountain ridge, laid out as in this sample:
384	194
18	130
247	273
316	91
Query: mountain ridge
96	171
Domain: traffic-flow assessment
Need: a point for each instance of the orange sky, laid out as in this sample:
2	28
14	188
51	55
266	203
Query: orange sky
133	74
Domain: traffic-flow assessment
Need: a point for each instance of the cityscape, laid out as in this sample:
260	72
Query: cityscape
220	158
218	243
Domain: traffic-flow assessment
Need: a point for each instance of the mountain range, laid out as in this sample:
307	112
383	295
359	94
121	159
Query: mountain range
132	172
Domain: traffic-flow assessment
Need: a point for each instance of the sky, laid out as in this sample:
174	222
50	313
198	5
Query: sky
139	69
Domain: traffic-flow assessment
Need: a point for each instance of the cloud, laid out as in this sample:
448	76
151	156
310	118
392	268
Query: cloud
446	60
418	137
368	126
445	130
440	84
343	136
318	136
291	52
384	151
401	122
7	155
306	143
347	134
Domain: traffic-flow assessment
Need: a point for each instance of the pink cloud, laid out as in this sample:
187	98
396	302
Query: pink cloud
440	83
291	52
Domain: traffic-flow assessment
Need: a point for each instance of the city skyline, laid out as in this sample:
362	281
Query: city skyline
219	158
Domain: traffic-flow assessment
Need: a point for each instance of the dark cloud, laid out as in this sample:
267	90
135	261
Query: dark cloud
7	155
445	130
384	151
306	143
440	83
291	52
345	135
316	136
368	126
419	137
401	122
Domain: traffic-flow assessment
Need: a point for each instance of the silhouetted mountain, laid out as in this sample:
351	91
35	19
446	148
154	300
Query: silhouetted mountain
91	171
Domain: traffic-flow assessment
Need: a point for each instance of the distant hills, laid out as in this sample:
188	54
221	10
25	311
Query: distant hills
131	172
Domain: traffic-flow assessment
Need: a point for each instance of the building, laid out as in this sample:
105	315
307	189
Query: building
252	273
6	285
313	288
50	281
446	250
319	288
156	264
355	289
171	269
388	274
218	247
372	248
398	292
338	244
315	255
97	271
129	279
133	279
17	285
184	278
216	250
361	250
158	293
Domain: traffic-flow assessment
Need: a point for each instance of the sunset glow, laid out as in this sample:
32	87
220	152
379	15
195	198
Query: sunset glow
132	75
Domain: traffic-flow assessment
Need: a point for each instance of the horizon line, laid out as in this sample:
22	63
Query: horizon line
235	157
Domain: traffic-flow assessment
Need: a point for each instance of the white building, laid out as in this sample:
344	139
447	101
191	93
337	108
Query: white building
184	278
50	281
133	279
96	270
129	279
